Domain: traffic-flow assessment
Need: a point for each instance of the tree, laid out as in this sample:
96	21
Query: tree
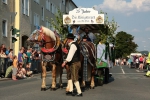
124	44
107	31
57	23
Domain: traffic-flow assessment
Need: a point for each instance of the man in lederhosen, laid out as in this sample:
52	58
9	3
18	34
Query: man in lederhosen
73	60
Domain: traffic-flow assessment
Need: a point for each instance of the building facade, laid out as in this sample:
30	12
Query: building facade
31	14
6	21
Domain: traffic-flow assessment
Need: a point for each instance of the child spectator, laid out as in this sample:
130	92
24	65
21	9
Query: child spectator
28	72
21	73
14	72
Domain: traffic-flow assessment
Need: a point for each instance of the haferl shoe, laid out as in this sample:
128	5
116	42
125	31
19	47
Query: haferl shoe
69	93
79	95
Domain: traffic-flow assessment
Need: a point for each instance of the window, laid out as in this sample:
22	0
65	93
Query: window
25	7
37	1
48	24
53	8
36	20
43	13
56	10
48	5
70	7
5	1
60	6
63	2
4	28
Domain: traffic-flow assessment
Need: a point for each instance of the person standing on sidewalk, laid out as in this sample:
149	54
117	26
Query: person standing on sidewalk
10	57
20	56
2	62
29	56
14	70
73	60
141	59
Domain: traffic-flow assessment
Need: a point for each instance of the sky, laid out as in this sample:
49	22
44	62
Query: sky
132	16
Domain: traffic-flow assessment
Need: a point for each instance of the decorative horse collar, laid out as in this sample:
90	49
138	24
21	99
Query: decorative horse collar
51	50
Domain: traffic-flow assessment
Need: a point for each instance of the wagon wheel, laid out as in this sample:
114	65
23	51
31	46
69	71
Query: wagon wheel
106	75
101	76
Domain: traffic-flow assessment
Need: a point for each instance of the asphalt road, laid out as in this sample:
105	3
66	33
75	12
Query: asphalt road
125	84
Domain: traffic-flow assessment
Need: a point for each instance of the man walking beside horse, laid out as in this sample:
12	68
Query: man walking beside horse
73	60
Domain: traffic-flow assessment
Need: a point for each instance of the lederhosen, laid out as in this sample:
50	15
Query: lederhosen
74	64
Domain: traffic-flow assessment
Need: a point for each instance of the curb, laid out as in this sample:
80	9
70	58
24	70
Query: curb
6	79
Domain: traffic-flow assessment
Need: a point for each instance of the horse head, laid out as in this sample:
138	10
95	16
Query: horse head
46	36
34	36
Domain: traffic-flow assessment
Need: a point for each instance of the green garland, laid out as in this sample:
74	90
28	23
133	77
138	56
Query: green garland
107	51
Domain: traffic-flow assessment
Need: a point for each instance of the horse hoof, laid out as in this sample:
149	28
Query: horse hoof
92	87
43	89
61	87
87	88
53	89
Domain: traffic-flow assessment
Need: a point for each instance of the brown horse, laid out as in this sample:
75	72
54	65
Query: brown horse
88	59
51	55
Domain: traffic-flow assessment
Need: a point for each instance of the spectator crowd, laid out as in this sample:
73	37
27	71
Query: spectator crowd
19	66
138	62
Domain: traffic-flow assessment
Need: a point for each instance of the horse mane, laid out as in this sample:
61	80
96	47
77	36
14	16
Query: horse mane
48	32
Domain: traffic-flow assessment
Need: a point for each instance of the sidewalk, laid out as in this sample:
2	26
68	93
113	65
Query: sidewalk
6	79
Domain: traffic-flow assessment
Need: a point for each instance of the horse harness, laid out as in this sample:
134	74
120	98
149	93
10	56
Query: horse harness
48	55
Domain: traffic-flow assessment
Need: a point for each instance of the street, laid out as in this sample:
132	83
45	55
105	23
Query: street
125	84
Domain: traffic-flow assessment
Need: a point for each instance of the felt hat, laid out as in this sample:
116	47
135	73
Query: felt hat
70	36
85	37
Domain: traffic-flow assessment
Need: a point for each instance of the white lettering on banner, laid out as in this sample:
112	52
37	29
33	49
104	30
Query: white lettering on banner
82	11
83	16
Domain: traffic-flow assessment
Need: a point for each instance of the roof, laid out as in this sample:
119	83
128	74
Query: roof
74	4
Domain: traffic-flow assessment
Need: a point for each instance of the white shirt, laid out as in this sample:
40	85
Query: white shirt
72	51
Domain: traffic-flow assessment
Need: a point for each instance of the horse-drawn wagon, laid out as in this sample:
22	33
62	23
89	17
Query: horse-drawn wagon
83	17
54	49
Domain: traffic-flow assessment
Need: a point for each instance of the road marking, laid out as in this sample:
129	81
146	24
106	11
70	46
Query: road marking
129	73
137	70
122	70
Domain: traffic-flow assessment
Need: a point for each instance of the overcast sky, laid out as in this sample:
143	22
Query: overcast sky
133	17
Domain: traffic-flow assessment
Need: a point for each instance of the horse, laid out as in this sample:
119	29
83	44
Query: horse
87	58
51	49
88	61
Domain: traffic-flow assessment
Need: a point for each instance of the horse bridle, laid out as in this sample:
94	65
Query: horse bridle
43	37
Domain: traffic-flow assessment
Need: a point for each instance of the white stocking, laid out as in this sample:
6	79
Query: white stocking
76	83
70	85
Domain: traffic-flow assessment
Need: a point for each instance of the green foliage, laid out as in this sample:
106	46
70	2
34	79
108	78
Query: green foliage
124	44
107	31
57	23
